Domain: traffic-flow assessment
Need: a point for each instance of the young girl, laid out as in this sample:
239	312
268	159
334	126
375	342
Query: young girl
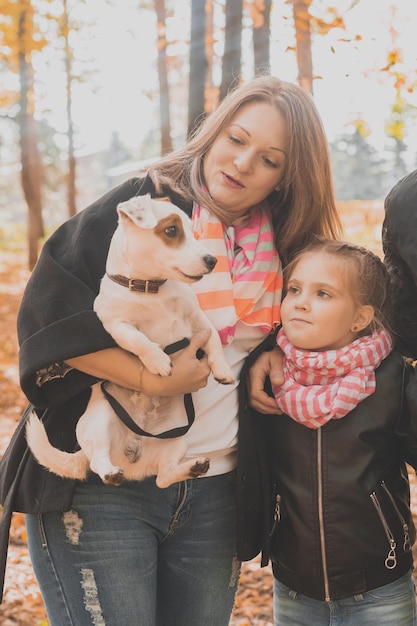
343	530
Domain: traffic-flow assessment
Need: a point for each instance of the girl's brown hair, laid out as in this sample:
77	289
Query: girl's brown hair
305	203
365	275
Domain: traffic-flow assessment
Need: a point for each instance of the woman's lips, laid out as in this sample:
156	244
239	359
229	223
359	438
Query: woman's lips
232	182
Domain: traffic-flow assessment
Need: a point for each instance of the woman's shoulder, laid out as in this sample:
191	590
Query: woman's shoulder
102	212
94	225
107	203
136	186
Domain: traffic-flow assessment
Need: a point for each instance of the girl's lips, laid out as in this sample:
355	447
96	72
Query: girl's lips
232	182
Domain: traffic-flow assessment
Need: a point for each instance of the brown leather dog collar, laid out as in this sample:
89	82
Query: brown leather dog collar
136	284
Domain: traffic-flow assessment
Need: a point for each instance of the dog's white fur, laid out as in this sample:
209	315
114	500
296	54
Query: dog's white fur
153	240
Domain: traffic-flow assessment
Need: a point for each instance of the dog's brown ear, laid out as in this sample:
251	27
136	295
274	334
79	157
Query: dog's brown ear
137	210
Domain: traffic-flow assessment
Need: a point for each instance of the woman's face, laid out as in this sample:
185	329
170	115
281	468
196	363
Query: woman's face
247	160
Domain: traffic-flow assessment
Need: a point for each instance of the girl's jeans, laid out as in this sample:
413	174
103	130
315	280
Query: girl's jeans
137	555
391	605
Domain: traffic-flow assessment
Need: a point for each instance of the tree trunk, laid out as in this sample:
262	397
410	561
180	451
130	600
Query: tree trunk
198	64
31	164
31	177
261	40
71	187
164	112
232	65
303	45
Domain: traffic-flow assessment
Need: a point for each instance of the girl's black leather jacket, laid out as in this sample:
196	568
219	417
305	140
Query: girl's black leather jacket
330	507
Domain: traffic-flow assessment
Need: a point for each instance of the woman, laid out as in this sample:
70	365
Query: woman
135	553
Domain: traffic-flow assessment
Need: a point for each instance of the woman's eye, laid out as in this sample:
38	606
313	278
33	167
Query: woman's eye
171	231
235	139
270	163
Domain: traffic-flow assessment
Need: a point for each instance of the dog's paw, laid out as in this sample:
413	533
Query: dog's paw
156	361
114	478
199	468
221	370
224	375
225	380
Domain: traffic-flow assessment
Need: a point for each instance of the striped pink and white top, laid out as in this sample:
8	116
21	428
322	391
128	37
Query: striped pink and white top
246	283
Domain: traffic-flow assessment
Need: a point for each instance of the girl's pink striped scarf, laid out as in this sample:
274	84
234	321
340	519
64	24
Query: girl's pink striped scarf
320	386
246	283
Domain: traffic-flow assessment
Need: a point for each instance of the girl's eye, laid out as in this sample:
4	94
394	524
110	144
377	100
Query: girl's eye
323	294
292	290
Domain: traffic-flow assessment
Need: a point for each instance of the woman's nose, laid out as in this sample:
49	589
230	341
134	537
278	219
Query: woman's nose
243	161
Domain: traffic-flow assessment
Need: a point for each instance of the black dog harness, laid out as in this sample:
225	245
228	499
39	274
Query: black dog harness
124	416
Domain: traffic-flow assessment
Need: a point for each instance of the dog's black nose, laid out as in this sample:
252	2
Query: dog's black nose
210	261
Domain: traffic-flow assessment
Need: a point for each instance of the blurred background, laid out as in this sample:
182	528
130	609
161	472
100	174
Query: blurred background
90	90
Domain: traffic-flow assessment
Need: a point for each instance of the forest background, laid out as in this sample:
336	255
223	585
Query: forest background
89	91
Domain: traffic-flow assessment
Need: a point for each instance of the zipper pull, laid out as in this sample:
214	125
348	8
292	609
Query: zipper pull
277	511
391	560
277	514
407	543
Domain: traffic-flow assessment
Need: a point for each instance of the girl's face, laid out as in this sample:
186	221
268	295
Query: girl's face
247	160
319	312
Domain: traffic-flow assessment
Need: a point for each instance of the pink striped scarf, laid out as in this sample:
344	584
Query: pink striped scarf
246	283
320	386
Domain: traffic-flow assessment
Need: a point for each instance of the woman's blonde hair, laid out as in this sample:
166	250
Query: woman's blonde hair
304	205
364	274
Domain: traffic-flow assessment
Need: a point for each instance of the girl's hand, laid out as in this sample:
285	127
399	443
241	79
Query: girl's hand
267	364
188	372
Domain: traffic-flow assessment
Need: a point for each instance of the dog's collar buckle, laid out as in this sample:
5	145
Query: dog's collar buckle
137	284
132	285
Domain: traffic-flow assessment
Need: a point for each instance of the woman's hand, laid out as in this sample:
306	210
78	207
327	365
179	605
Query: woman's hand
188	373
267	364
125	369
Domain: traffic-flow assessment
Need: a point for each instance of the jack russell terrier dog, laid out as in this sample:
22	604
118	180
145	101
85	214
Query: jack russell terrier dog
145	302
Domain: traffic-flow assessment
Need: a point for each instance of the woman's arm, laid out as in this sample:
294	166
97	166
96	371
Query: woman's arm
267	364
123	368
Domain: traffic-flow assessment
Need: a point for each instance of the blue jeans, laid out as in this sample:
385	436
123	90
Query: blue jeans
391	605
137	555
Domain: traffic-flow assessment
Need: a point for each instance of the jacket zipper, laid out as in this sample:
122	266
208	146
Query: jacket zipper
277	514
406	543
391	559
321	514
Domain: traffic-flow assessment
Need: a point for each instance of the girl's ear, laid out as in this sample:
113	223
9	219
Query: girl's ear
363	317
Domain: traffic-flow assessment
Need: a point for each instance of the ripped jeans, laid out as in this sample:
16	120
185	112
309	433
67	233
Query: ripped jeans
137	555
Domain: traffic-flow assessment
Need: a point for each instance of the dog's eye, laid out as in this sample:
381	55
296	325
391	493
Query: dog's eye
171	231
